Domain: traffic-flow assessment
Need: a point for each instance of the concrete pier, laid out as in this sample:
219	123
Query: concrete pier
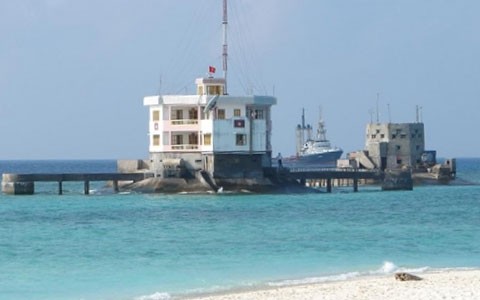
24	184
333	175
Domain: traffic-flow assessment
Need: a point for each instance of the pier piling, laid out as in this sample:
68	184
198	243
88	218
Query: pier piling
86	187
330	177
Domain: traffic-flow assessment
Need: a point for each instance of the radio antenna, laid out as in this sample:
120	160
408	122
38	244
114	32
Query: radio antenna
225	45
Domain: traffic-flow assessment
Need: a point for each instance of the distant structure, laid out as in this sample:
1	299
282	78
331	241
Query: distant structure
313	151
303	133
395	146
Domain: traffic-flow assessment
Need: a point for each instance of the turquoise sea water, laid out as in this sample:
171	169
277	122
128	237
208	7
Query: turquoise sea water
135	246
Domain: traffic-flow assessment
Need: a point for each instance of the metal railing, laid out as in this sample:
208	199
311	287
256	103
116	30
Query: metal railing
320	169
184	147
184	122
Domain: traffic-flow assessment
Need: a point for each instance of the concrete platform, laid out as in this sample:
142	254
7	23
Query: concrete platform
24	184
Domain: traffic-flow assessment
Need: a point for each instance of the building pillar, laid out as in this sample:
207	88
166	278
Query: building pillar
60	188
86	187
329	185
115	186
355	184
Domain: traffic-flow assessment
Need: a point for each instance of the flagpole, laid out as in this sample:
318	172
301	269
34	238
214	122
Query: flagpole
225	46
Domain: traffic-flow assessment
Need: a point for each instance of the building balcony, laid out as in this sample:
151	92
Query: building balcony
181	125
184	122
184	147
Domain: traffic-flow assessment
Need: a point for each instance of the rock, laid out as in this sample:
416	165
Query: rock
400	179
406	277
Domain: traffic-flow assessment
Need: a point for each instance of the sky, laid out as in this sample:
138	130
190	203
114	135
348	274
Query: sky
73	74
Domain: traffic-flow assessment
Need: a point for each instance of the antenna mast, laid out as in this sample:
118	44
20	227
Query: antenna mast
225	46
303	118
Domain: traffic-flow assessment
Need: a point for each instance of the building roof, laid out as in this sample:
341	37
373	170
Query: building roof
203	99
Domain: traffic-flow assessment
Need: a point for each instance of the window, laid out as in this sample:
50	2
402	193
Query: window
207	139
417	147
214	90
177	115
221	114
239	123
177	140
241	139
399	161
403	135
156	115
394	136
374	136
192	139
156	140
398	147
259	114
382	136
193	114
236	112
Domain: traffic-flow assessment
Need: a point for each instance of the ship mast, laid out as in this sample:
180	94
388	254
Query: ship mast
321	131
225	46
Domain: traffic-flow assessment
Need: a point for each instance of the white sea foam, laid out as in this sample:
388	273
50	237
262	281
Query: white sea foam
390	268
155	296
415	270
387	268
311	280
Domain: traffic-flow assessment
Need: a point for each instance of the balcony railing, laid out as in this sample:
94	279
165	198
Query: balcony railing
184	122
184	147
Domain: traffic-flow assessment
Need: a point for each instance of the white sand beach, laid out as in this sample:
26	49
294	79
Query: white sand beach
456	284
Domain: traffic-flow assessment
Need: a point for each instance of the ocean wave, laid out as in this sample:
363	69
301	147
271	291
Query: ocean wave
195	292
155	296
390	268
386	268
311	280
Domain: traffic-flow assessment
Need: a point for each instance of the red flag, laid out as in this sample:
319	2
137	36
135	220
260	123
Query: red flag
211	69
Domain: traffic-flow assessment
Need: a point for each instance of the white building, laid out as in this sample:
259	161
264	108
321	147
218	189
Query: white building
226	136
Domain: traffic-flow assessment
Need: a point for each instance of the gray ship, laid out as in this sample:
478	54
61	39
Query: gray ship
313	152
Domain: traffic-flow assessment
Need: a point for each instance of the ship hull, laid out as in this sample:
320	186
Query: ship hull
326	159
